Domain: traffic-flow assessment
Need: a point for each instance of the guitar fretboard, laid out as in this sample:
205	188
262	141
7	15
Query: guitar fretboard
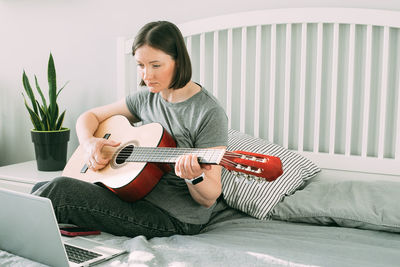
170	155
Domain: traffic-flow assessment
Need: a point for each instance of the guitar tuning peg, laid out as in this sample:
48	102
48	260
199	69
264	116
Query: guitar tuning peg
245	176
238	178
249	181
259	180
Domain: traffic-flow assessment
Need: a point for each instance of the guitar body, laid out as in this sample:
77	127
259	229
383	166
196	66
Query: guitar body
130	180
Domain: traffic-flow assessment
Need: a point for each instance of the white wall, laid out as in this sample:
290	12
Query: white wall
82	34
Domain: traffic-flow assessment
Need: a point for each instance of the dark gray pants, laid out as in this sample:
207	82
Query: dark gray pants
86	204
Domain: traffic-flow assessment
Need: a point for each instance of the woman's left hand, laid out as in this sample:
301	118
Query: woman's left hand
188	167
206	192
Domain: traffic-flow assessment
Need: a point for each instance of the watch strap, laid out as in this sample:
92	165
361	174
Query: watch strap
195	181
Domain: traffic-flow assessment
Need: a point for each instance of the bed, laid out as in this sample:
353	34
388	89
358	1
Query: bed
318	87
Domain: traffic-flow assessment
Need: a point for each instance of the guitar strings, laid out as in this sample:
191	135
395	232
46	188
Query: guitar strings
160	153
226	160
169	149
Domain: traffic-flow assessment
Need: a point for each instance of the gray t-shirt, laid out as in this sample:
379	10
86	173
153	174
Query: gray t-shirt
198	122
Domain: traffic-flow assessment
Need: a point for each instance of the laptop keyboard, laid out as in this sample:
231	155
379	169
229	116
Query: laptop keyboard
78	255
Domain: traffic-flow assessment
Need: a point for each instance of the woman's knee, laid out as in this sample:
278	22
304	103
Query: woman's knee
60	185
63	180
39	187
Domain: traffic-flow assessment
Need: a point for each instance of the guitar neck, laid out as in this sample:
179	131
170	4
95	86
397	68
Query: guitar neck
170	155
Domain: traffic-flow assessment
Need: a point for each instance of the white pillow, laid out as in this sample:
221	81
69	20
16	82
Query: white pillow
259	198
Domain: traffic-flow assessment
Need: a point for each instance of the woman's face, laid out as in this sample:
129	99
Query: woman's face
155	67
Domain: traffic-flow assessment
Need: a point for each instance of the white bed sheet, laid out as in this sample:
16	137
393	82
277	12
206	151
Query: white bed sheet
250	242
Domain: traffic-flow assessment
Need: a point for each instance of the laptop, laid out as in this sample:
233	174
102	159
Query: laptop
28	228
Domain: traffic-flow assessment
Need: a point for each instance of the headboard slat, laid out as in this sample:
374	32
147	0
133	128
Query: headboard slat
189	45
383	89
257	77
397	96
397	152
334	84
243	73
367	92
215	64
302	85
318	85
272	67
202	57
287	95
350	89
229	77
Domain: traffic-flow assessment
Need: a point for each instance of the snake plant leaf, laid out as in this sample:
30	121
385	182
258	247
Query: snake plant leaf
41	111
54	116
29	91
59	91
51	77
60	121
50	116
44	116
34	118
41	95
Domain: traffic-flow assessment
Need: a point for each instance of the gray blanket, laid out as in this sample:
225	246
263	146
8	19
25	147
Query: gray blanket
233	239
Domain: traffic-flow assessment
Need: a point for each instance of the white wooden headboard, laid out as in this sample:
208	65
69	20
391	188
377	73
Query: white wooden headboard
320	81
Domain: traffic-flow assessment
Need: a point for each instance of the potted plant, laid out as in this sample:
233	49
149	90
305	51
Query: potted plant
49	137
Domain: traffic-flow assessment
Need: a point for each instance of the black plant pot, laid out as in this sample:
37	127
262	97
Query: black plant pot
51	149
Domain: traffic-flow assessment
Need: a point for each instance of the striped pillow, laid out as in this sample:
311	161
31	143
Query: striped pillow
259	198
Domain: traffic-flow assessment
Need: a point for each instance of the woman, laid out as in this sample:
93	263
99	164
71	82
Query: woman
177	204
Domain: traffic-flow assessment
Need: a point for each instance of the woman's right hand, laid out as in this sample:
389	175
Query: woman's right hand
88	123
96	159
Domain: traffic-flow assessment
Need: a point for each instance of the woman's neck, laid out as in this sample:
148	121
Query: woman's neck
182	94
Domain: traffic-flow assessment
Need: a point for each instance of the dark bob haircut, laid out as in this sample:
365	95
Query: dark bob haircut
166	36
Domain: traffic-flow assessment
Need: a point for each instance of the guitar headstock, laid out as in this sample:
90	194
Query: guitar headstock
253	164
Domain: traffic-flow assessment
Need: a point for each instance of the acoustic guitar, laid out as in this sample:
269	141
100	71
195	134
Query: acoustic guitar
147	152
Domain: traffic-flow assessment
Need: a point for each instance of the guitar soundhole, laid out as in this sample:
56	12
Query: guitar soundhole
124	154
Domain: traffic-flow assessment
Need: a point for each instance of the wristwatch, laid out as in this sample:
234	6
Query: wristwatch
195	180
